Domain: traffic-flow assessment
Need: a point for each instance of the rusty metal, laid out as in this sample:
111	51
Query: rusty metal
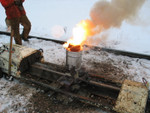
88	91
105	85
91	89
43	71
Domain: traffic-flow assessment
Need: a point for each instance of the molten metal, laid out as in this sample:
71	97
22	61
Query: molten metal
81	33
74	48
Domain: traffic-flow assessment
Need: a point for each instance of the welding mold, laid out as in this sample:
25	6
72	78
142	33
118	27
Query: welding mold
132	98
22	58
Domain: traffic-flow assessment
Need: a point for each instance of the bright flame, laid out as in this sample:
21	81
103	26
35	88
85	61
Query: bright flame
80	34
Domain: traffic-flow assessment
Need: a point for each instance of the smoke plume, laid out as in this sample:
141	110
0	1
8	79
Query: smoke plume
113	13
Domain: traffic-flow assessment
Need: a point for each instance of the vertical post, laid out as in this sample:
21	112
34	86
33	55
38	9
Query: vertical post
10	59
66	57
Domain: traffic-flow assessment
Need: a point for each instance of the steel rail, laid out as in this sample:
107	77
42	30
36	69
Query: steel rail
94	102
96	48
30	36
45	72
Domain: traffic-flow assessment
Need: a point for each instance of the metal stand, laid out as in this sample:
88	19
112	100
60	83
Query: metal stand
1	74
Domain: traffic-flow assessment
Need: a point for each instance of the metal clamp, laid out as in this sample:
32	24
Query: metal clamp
145	82
3	48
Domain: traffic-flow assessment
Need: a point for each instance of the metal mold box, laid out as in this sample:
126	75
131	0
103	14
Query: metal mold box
132	98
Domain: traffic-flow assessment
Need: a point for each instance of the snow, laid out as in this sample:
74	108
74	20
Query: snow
10	101
50	18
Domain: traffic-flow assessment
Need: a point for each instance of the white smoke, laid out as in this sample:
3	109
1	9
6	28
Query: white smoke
113	13
58	31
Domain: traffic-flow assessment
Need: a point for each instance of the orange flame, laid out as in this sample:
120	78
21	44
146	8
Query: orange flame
81	32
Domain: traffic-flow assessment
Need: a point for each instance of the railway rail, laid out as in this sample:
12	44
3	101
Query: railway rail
88	88
91	89
117	52
95	90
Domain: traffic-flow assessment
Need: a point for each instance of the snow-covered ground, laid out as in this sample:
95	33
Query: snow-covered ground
50	17
14	96
119	68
